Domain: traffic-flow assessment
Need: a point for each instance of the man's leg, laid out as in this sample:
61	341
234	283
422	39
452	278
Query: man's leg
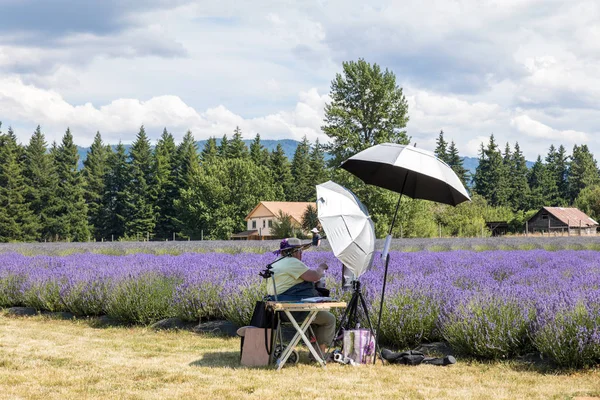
324	328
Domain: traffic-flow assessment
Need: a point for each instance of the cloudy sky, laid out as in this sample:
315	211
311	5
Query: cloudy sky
524	70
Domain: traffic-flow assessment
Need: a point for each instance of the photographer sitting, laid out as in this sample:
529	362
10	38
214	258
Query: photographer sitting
294	281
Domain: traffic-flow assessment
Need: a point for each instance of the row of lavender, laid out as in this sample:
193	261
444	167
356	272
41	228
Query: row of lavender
494	304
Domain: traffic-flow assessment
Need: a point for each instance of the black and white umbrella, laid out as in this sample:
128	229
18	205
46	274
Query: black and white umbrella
409	171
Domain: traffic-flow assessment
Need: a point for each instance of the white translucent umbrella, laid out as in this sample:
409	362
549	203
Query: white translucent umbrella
347	225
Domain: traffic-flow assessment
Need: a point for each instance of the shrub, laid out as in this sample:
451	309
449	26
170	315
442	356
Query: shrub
487	326
408	319
571	336
142	299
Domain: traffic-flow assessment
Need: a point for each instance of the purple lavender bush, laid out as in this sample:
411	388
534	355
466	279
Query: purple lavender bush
568	330
490	304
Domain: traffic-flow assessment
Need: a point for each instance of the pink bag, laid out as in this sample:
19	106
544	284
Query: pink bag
359	345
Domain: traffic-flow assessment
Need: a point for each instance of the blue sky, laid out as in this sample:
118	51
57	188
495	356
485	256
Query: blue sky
524	70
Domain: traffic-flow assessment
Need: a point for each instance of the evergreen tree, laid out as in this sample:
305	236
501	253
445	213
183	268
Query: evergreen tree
258	153
456	163
441	149
542	185
551	169
140	219
94	170
302	189
561	171
224	147
41	181
17	221
187	163
518	176
116	197
237	148
164	186
210	151
68	205
318	168
281	173
187	157
490	176
583	171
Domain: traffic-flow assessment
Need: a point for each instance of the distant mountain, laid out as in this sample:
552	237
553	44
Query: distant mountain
289	148
288	145
471	163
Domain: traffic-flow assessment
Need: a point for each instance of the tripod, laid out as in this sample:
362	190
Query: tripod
350	318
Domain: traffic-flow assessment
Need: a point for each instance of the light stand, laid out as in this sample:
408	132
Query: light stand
350	318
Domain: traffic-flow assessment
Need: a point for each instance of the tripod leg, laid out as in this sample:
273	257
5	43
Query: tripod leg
344	320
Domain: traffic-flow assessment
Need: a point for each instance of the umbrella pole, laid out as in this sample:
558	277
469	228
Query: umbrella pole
387	261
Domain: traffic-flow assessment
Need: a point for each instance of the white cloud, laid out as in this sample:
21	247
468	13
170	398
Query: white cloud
120	119
524	70
535	129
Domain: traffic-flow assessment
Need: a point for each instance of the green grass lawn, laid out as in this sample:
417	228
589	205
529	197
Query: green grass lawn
42	358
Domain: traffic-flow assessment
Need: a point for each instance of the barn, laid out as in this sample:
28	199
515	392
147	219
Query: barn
561	220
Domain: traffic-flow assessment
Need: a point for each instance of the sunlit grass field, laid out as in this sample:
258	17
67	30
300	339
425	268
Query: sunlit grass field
42	358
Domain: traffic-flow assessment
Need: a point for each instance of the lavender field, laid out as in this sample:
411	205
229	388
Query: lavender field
491	304
234	247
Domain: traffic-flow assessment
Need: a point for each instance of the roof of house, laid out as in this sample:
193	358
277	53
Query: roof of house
571	216
271	209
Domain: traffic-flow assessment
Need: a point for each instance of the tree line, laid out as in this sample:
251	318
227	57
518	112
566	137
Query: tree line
149	192
180	191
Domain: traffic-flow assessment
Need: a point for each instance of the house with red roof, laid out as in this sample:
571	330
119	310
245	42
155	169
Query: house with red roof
260	219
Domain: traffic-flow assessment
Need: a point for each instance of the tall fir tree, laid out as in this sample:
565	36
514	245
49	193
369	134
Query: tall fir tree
116	199
40	175
164	186
17	221
518	177
456	163
318	167
490	176
556	162
141	218
302	189
93	172
224	147
68	207
583	171
552	192
210	151
542	185
258	153
186	165
561	172
237	148
441	149
281	172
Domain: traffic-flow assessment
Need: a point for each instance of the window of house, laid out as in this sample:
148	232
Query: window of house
544	216
253	224
270	223
264	223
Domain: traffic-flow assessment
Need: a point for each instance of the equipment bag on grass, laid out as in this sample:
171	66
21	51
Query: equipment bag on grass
359	345
266	319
